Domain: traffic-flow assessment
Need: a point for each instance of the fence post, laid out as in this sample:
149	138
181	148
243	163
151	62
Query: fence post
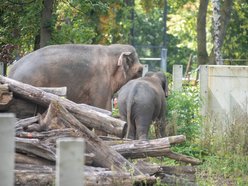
204	88
7	148
1	68
177	77
70	162
163	64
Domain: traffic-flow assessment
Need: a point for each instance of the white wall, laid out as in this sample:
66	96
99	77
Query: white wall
224	91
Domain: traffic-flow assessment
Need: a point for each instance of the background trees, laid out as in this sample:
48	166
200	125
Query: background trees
31	24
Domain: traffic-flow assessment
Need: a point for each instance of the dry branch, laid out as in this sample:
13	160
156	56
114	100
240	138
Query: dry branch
183	158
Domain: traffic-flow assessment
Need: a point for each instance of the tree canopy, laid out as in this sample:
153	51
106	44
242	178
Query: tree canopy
28	25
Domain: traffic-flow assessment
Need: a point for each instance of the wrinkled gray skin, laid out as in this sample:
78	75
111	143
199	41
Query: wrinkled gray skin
91	73
142	101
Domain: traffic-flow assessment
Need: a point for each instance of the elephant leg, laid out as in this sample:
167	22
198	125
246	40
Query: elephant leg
161	125
142	124
132	131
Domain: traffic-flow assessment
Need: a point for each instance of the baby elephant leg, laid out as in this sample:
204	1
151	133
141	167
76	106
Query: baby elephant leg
142	124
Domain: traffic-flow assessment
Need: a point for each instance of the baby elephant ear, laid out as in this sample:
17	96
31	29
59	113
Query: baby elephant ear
120	60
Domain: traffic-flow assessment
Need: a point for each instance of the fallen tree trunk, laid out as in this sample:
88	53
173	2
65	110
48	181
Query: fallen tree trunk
45	175
6	97
142	149
35	160
89	117
172	140
33	146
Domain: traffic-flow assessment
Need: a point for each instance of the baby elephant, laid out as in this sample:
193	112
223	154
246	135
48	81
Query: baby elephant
142	101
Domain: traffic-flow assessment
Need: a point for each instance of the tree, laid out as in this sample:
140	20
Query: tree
216	32
202	54
236	41
46	23
225	12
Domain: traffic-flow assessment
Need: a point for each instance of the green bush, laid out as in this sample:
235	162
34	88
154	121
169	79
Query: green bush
183	112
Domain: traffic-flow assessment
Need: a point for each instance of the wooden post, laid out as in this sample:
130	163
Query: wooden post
70	162
177	77
7	146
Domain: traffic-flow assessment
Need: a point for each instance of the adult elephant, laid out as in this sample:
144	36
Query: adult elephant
91	73
142	101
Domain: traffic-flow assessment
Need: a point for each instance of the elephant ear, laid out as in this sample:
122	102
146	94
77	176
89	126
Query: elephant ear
166	91
164	82
122	61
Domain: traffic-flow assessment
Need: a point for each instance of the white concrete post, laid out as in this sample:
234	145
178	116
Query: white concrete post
70	162
204	88
7	148
177	77
163	63
1	68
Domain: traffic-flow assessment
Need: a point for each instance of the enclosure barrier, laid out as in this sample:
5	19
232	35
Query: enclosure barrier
224	92
177	77
70	162
7	146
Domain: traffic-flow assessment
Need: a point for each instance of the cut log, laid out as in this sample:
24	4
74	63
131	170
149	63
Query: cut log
142	149
154	148
104	155
33	146
148	168
45	175
59	91
6	97
89	117
172	140
35	160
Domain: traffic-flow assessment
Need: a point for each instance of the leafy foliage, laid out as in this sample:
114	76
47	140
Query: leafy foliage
183	112
19	23
236	40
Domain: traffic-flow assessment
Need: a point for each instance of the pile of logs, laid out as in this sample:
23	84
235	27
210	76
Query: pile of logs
108	159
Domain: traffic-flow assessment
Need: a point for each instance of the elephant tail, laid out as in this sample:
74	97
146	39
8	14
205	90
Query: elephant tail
130	102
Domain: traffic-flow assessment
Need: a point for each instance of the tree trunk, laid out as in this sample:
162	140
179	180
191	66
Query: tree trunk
216	33
202	55
46	21
223	20
225	12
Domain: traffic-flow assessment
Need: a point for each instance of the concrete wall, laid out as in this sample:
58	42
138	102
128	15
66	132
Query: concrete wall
224	91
